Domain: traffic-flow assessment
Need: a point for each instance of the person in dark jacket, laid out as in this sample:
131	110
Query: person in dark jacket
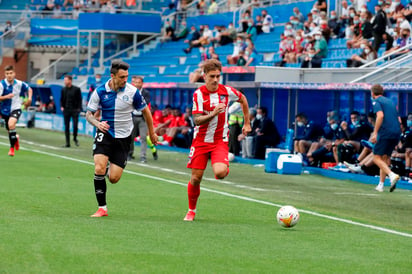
379	29
267	134
70	104
312	60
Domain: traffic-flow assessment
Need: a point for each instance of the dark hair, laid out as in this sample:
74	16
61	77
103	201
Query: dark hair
117	65
68	76
264	110
355	113
135	77
9	67
301	115
211	64
377	89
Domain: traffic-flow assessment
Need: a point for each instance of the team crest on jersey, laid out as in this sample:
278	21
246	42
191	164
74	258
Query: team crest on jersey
106	97
223	99
125	98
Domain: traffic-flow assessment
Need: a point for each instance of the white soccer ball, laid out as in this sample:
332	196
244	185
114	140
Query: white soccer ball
231	157
287	216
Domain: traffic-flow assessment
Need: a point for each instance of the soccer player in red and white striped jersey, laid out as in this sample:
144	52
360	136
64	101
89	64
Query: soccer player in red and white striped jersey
211	134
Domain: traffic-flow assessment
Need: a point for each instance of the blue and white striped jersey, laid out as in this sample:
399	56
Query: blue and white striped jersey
19	89
117	107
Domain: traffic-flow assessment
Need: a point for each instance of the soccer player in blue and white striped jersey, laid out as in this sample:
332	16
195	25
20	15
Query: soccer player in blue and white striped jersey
12	92
116	100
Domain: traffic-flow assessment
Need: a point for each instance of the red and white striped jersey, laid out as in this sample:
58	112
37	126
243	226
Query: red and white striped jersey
204	101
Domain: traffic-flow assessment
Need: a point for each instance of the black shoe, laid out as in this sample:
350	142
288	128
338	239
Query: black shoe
155	155
66	145
76	143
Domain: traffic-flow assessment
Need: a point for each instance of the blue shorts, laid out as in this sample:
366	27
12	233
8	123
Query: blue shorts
385	146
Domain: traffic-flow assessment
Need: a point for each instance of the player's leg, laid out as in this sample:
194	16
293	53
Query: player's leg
197	162
100	186
66	116
143	139
115	173
11	125
75	116
220	161
118	158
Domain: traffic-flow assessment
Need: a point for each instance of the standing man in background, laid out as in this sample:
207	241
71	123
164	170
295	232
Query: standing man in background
385	135
139	124
11	93
70	104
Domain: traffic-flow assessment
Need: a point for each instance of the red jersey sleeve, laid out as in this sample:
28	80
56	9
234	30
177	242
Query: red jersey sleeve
197	102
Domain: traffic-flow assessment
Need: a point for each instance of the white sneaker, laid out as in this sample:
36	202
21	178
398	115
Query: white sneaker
337	167
379	187
394	179
354	167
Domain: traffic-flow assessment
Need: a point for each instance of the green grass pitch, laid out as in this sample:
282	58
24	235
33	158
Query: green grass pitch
47	196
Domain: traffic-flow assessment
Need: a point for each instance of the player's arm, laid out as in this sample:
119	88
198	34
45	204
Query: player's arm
149	121
245	109
101	125
201	119
378	124
30	95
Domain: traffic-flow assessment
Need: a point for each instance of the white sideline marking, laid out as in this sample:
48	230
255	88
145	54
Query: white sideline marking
227	194
356	194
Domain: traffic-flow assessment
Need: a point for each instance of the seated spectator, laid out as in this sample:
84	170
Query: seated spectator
168	32
226	36
201	7
316	16
184	31
267	134
57	12
321	5
251	31
321	46
407	11
204	40
325	30
248	142
50	107
313	28
298	15
312	60
296	24
238	46
335	25
9	30
267	24
258	24
78	4
289	31
368	55
244	21
49	7
213	7
362	30
108	7
404	40
290	50
252	57
177	125
311	132
305	46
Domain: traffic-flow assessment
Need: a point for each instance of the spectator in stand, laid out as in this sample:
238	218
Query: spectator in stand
184	31
362	30
251	31
168	32
289	30
404	40
204	40
226	36
108	7
78	4
296	24
194	35
326	31
50	107
258	24
316	17
298	15
313	28
368	55
176	126
407	11
49	7
244	21
311	60
321	46
93	6
57	12
238	46
267	24
267	134
335	25
201	7
321	5
251	55
213	8
10	29
403	23
379	25
345	12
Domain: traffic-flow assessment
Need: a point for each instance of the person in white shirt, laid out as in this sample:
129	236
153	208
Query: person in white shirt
267	22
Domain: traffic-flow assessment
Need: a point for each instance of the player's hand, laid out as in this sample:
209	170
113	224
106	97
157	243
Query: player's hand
154	138
219	109
9	96
103	126
344	125
373	138
246	129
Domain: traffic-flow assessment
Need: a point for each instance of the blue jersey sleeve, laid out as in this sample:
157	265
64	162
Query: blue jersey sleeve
376	106
138	101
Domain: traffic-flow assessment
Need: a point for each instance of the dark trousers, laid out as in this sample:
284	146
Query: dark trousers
70	114
234	145
378	40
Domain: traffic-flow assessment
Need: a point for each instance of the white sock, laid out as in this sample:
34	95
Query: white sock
104	207
194	210
381	184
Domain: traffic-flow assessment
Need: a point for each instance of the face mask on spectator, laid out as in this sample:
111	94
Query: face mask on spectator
247	52
355	123
298	38
201	50
362	46
380	3
388	10
294	22
258	116
300	124
409	123
363	10
363	20
317	37
352	14
404	35
246	17
311	55
288	26
311	28
333	16
367	51
239	42
334	126
356	22
250	24
396	3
